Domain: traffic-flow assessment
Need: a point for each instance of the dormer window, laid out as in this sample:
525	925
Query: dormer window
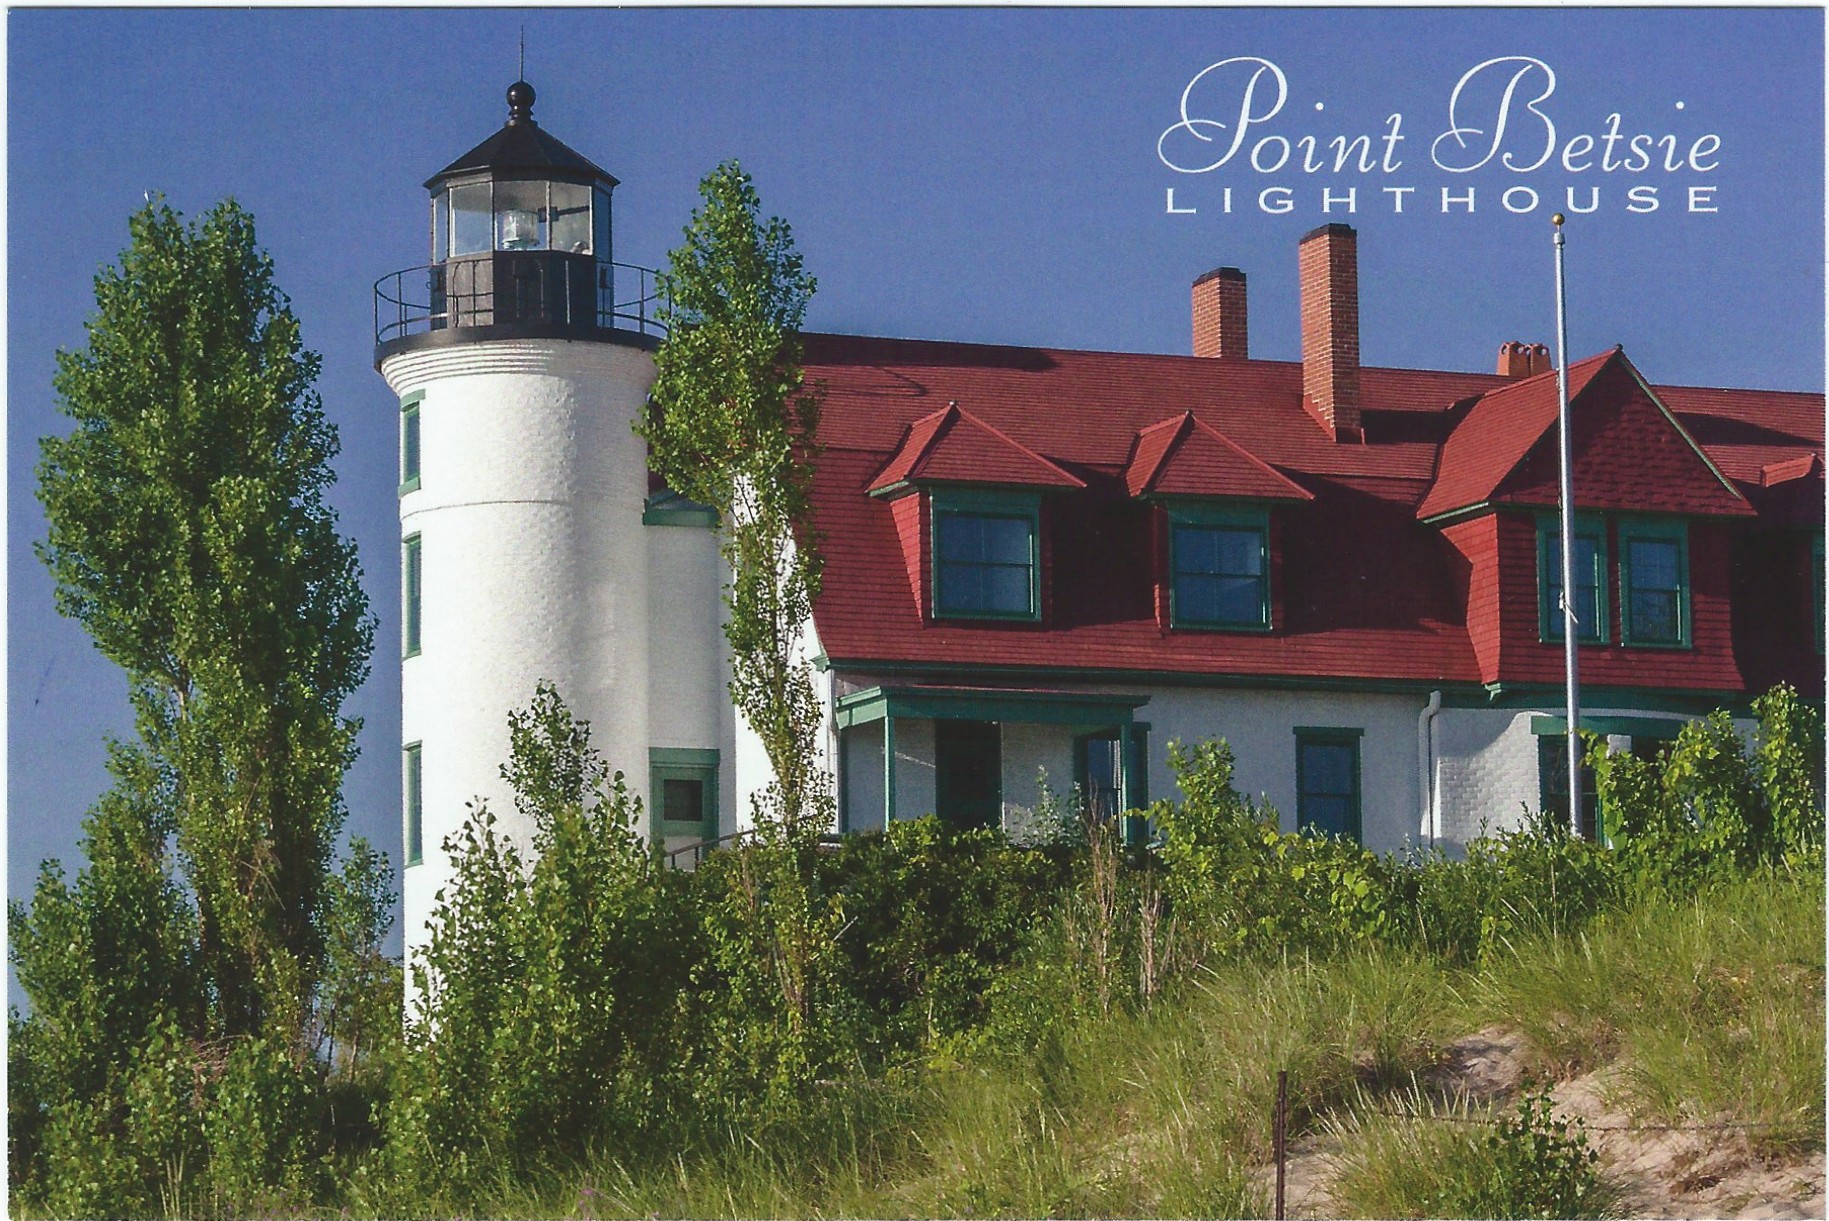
1654	582
987	554
1219	565
1590	600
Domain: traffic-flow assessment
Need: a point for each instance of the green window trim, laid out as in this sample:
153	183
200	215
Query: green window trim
1322	738
412	584
669	508
952	503
410	442
412	780
1549	576
1195	516
682	766
1652	532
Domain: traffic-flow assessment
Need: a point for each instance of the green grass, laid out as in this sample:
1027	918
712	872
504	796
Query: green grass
1714	1007
1710	1009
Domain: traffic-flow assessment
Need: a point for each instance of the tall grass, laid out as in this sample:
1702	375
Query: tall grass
1713	1006
1713	1003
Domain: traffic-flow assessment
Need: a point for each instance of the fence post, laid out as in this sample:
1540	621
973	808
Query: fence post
1280	1135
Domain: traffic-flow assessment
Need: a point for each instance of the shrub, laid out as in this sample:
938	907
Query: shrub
548	995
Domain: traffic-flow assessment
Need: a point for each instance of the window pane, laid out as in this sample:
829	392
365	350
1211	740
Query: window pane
1328	815
1219	575
1327	768
1654	569
409	445
984	564
470	219
1008	591
441	230
414	783
1654	616
1196	550
684	801
1238	600
600	224
1587	587
520	216
1006	540
411	562
960	537
571	217
1654	563
1241	552
1197	599
1101	770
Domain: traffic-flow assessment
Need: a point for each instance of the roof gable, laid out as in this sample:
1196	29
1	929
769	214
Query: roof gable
1183	456
953	446
1629	451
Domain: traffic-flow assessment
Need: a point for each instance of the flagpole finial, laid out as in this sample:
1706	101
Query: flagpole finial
1558	219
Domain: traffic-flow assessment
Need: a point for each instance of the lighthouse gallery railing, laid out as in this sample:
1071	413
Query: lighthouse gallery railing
531	290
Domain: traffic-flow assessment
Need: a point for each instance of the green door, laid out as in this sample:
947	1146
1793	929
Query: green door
968	773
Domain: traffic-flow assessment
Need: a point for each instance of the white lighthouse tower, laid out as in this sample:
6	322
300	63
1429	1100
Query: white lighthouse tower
524	554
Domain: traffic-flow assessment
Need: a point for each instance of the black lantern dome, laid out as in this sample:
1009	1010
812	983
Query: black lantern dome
520	247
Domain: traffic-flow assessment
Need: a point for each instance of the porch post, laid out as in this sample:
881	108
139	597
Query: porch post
888	769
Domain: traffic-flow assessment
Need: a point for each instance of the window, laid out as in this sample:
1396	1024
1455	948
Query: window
1553	784
409	442
1654	583
1099	769
411	580
683	793
986	555
1327	781
1219	564
1590	579
412	779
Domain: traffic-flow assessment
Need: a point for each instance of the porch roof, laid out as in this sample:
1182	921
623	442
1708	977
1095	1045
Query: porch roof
1088	709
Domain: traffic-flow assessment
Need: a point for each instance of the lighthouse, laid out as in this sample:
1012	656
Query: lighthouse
533	548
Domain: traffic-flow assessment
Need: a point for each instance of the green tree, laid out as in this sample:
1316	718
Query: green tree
189	534
733	426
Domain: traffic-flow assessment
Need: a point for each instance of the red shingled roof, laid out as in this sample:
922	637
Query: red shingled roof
954	446
1184	457
1365	590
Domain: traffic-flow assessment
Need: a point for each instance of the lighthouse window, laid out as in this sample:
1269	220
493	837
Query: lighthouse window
413	780
470	219
520	216
571	218
600	224
411	579
409	443
684	797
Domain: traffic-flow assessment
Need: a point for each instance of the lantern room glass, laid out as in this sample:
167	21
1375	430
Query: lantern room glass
478	217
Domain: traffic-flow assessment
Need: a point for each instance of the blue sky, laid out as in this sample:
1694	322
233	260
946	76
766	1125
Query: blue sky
988	175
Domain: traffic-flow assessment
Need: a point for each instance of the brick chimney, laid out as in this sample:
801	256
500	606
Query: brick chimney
1327	264
1523	359
1219	314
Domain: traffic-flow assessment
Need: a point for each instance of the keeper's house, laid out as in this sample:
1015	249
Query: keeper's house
1060	561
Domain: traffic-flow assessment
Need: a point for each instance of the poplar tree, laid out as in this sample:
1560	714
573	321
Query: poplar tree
733	426
190	536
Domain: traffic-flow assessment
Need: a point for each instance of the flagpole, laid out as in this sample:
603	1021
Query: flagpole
1566	495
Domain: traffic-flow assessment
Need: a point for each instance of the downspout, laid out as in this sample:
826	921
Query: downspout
1425	763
